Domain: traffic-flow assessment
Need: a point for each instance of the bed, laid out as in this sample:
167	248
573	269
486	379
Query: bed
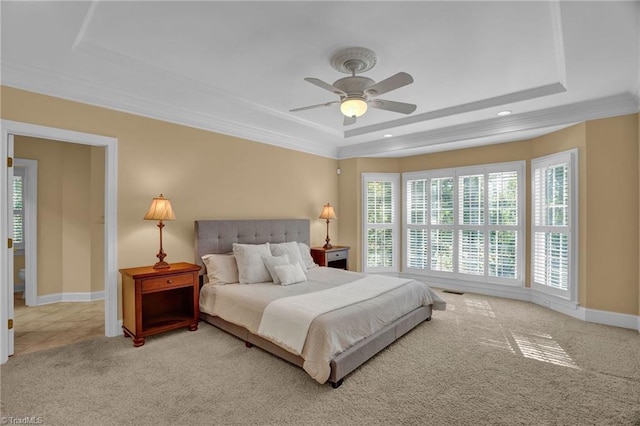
337	340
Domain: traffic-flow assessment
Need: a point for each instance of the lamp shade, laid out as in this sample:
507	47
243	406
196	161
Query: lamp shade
327	212
160	210
353	107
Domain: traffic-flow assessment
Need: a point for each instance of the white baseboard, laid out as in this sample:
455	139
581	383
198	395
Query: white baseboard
488	289
613	318
557	304
18	288
70	297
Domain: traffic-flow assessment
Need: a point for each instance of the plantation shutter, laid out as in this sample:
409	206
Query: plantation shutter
380	222
471	218
503	224
465	223
18	208
552	224
442	221
417	199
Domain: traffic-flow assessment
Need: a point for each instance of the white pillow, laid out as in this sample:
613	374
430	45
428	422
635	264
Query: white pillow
251	268
222	269
305	253
290	274
273	261
290	249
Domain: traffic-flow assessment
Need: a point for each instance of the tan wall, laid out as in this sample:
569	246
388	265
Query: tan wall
500	153
612	214
206	175
65	240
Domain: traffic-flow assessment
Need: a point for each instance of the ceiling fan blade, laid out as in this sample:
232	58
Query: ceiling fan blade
314	106
325	86
348	121
400	107
394	82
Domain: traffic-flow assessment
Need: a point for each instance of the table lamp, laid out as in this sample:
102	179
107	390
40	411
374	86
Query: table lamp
160	210
327	213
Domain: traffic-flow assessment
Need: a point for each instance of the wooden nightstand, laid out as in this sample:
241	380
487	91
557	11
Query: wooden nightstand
335	257
159	300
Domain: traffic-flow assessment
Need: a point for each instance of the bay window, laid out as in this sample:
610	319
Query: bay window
466	223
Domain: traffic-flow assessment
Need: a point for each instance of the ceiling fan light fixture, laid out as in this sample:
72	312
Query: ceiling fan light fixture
353	107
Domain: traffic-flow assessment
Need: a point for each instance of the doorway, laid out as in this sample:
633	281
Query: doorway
25	235
67	306
11	128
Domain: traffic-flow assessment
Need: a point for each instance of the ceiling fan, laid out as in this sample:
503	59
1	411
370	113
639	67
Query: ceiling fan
356	92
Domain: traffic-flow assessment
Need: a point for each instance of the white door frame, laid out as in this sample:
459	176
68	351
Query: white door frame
8	341
110	220
30	206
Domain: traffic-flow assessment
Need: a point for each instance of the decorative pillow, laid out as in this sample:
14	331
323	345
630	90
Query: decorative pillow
251	268
271	262
290	249
290	274
222	269
305	254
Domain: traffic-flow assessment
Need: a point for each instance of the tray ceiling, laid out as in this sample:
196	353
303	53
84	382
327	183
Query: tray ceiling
238	67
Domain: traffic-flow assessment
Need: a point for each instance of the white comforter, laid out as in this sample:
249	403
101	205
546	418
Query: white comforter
329	333
286	321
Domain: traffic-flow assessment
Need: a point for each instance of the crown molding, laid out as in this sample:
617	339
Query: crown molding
81	90
84	91
522	95
611	106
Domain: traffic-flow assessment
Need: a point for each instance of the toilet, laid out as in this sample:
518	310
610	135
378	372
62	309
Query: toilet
21	275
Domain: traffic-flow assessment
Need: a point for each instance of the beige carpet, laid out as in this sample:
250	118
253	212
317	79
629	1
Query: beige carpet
483	361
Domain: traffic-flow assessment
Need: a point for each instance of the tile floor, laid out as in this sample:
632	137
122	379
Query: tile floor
56	324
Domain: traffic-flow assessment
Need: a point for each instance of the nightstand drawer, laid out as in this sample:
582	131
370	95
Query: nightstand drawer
170	281
337	255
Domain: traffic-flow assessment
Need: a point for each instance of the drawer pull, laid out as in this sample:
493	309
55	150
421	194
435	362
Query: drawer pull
168	281
338	255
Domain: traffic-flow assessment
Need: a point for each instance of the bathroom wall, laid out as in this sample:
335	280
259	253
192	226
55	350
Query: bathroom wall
18	263
70	243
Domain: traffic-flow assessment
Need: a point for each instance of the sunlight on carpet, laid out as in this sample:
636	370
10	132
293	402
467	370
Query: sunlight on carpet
479	307
543	348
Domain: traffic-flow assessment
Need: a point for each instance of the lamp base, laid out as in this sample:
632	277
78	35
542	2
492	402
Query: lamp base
161	265
327	246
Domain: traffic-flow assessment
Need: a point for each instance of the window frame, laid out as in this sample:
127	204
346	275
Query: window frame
520	168
394	178
569	157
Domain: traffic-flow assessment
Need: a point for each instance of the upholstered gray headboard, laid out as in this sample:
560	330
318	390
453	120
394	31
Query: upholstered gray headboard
218	236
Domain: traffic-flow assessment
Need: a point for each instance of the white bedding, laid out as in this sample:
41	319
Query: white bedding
329	333
286	321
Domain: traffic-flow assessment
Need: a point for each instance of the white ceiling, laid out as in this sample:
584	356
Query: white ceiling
238	67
